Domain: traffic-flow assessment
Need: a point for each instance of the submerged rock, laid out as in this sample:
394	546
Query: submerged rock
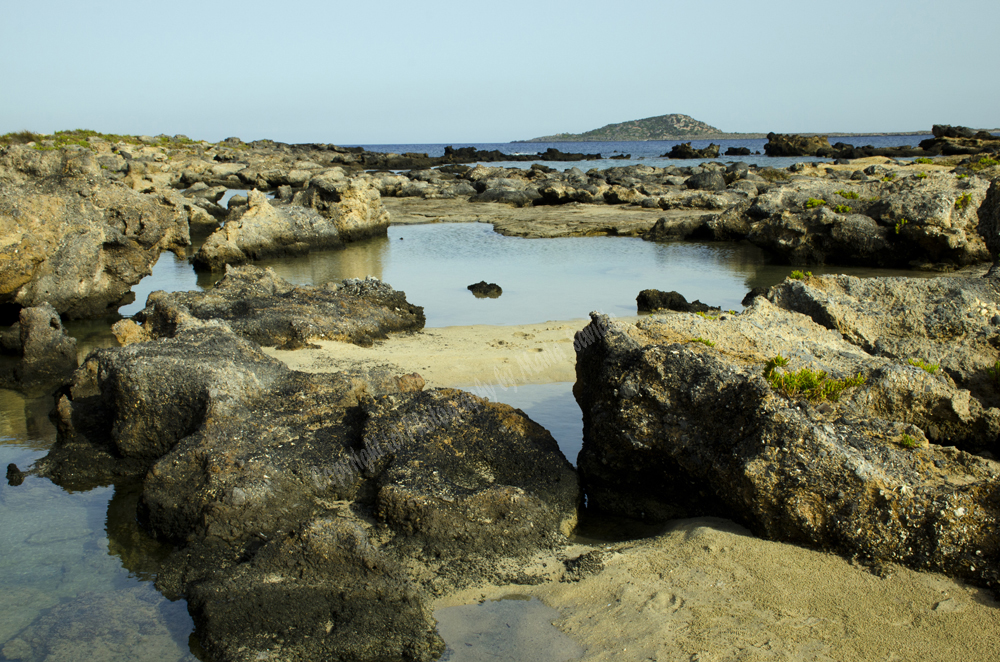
484	290
676	428
652	300
269	310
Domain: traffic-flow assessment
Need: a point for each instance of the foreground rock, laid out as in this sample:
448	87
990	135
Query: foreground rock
74	238
309	510
36	354
649	301
674	428
270	311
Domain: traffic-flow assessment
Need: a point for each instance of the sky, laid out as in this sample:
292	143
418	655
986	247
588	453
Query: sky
388	72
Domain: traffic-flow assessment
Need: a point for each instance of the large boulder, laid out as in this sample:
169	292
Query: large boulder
354	206
38	353
72	237
269	310
674	427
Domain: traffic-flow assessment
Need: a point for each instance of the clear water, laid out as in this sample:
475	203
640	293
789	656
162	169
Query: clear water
77	558
514	628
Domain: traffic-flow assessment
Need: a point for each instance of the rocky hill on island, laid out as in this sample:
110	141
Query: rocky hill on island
661	127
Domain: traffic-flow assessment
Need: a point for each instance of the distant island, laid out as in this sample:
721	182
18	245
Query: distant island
675	127
661	127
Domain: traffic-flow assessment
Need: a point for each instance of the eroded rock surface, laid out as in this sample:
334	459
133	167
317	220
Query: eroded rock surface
37	353
73	238
270	311
674	428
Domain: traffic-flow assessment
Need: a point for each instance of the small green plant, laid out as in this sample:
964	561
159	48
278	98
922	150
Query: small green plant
850	195
703	341
982	164
731	312
907	441
800	275
900	224
812	203
707	316
994	373
963	201
921	175
812	384
924	160
843	209
928	367
962	176
888	178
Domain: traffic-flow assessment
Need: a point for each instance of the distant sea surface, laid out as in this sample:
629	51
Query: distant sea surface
648	152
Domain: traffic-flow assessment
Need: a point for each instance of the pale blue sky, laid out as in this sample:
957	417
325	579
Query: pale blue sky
456	72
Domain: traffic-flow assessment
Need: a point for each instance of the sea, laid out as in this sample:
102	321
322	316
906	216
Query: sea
648	152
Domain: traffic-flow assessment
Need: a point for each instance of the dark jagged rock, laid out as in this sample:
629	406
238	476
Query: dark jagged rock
794	145
270	311
40	354
686	227
309	509
685	151
673	428
650	301
948	131
738	151
14	475
484	290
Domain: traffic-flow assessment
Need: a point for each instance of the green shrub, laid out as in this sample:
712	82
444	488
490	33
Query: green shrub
812	203
888	178
928	367
924	160
921	175
800	275
962	176
812	384
707	316
907	441
850	195
843	209
703	341
20	138
963	201
900	224
982	164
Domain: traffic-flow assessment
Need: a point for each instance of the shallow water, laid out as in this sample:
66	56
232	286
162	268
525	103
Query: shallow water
70	561
512	629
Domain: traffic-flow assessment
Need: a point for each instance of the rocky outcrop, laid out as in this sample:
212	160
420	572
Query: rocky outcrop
484	290
74	238
308	510
845	458
354	206
270	311
685	151
891	221
262	229
37	353
779	144
951	324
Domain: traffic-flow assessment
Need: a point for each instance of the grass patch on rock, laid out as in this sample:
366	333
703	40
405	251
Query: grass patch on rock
929	368
815	385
